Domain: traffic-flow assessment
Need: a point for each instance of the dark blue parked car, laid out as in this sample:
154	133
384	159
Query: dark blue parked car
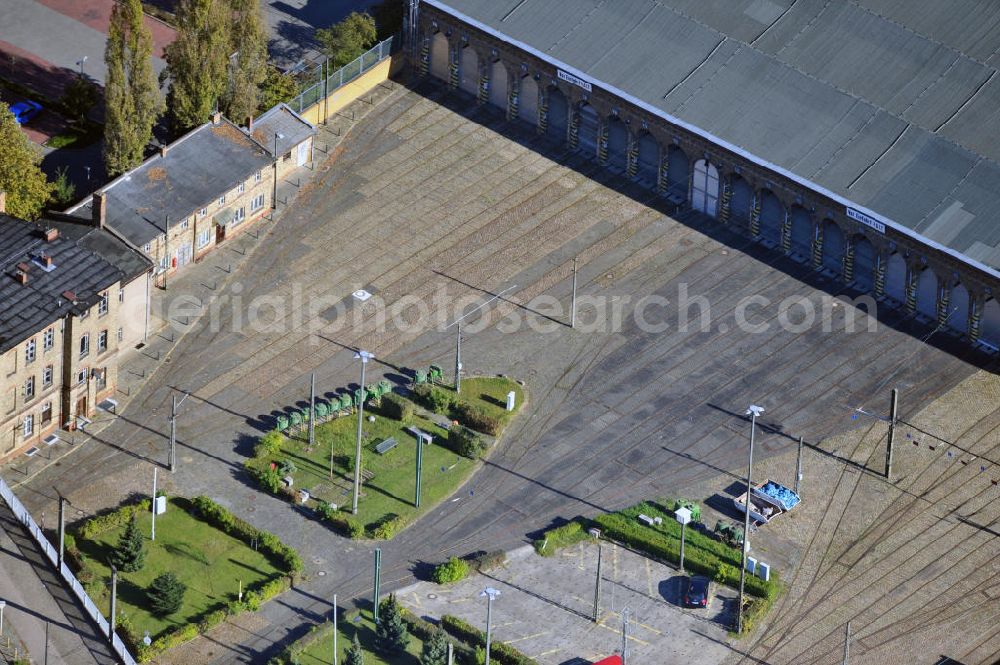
25	111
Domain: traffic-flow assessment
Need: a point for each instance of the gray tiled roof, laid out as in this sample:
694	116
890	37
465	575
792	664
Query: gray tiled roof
197	169
87	260
891	106
281	119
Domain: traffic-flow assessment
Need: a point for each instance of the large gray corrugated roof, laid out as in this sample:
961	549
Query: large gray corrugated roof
893	106
197	169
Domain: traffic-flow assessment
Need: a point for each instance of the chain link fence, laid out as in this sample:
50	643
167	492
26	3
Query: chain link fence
338	79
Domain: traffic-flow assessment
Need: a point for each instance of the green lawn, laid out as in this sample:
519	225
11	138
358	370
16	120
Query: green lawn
210	562
491	394
320	652
392	488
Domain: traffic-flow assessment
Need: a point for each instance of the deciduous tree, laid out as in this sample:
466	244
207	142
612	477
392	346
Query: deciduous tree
131	94
22	180
197	62
248	64
347	40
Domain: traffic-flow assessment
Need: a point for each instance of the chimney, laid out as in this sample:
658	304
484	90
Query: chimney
21	276
51	234
23	267
99	209
163	150
217	117
3	201
46	260
249	128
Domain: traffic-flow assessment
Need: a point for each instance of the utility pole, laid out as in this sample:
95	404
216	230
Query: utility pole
166	250
893	406
62	529
312	410
326	112
335	652
378	581
597	585
274	188
451	654
420	467
798	468
152	534
364	357
458	358
573	306
847	644
173	434
625	617
491	595
114	598
753	412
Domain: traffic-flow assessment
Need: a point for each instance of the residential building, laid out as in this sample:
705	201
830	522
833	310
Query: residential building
74	297
203	188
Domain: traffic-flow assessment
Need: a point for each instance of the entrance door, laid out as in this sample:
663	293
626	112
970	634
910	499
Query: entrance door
705	188
303	155
220	233
439	57
81	407
589	124
184	255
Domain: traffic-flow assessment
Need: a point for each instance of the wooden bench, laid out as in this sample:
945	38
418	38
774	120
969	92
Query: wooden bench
386	446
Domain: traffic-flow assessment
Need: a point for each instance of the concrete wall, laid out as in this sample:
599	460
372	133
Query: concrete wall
341	97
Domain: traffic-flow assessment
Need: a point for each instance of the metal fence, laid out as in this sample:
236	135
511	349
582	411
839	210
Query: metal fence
23	516
345	74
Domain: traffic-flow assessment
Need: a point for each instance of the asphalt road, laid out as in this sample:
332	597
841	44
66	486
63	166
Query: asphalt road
422	198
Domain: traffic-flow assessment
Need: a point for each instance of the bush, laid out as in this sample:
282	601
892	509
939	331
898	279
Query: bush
499	651
483	562
346	525
211	620
726	574
559	537
452	570
325	510
438	400
387	527
396	407
477	418
214	514
112	520
286	467
465	442
166	594
269	445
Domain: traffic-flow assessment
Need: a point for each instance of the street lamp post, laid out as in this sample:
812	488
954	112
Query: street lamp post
364	357
491	594
80	64
274	190
753	411
682	515
172	453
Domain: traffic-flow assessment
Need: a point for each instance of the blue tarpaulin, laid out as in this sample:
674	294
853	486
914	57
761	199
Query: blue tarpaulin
786	497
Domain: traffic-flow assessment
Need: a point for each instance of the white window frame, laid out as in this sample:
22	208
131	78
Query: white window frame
47	407
28	425
28	388
148	247
258	176
222	200
239	216
84	345
102	305
30	351
185	224
242	187
81	376
203	212
121	294
256	203
48	339
121	334
47	375
102	341
204	238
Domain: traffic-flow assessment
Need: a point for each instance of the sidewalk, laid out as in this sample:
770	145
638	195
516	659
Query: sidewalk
200	283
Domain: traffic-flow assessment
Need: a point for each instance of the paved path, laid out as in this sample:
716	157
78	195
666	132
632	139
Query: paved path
421	198
43	612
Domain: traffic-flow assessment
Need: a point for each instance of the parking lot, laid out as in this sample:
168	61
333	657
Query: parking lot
546	605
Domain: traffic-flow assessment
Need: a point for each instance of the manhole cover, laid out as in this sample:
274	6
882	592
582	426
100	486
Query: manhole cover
322	573
432	596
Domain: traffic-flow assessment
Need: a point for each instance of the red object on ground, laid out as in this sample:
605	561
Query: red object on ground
610	660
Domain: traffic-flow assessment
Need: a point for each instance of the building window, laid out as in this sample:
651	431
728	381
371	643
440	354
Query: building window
84	314
81	376
28	428
242	187
29	388
222	200
102	341
46	412
29	351
204	237
184	225
47	376
147	247
257	203
84	345
121	334
203	212
241	214
48	338
102	378
257	176
164	262
102	306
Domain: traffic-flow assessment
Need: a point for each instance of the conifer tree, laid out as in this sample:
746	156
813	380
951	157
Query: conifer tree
391	634
130	555
197	62
248	67
435	651
354	654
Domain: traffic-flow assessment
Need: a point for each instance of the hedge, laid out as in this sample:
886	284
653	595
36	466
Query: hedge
559	537
396	407
476	417
438	400
283	555
386	527
501	652
465	442
112	520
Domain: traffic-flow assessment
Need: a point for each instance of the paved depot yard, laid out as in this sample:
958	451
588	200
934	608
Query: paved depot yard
545	607
420	198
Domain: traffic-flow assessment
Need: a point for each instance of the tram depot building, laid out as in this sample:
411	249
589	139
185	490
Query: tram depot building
861	138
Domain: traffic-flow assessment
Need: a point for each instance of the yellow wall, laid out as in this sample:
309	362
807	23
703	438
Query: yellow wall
341	97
